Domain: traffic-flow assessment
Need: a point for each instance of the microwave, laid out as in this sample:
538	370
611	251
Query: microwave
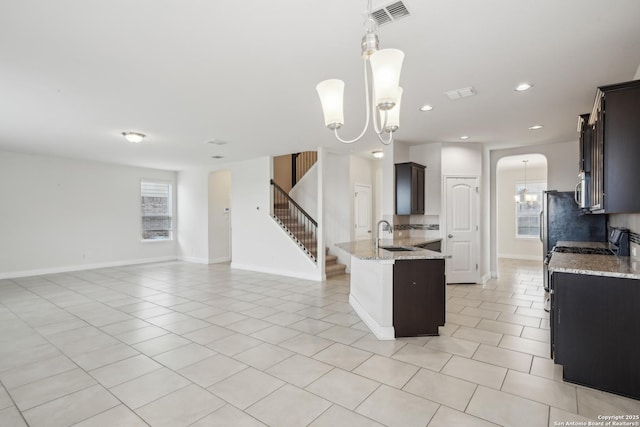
581	192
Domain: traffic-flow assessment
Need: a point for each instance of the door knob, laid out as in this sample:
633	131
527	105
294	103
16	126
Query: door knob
450	236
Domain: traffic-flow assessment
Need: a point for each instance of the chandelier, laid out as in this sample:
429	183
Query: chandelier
524	196
382	100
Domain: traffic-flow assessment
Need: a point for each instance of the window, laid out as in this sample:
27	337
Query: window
528	209
157	210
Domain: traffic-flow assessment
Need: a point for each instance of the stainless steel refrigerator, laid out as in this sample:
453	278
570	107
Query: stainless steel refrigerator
562	219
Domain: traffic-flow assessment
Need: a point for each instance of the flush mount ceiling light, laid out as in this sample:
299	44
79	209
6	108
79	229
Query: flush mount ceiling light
217	142
377	154
426	107
522	87
536	127
134	137
464	137
385	67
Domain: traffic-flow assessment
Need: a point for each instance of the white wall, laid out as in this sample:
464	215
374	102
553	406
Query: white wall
562	175
61	214
361	171
461	159
258	242
193	215
508	245
337	204
305	192
219	216
430	155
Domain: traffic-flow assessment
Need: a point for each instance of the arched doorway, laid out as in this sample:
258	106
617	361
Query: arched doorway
520	183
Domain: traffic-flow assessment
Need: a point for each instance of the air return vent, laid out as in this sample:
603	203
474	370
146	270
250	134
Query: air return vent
390	13
460	93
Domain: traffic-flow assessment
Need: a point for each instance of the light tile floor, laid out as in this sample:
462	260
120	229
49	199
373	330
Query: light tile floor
178	344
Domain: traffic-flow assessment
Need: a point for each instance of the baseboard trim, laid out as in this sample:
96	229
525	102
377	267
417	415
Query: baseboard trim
69	268
219	260
381	332
522	257
315	277
484	279
494	274
193	260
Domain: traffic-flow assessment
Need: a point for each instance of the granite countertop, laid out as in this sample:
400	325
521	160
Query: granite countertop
364	249
589	245
596	265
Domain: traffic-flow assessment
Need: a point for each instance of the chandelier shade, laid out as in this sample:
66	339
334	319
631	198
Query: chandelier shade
393	115
386	65
331	93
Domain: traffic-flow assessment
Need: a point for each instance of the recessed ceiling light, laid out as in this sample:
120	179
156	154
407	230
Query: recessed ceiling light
536	127
426	107
464	137
217	157
523	86
377	154
134	137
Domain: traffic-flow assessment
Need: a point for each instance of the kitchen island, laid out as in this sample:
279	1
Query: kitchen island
397	290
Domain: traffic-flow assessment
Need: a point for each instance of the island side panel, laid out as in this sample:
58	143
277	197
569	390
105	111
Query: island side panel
371	295
418	297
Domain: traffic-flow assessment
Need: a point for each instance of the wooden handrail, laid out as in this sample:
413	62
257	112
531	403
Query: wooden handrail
293	202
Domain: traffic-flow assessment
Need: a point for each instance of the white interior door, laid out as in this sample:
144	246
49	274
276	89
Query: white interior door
362	211
461	238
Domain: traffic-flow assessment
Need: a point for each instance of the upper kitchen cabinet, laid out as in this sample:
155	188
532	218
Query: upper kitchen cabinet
615	150
586	137
409	189
583	189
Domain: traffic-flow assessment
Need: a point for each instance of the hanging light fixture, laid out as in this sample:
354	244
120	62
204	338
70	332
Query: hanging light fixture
385	94
524	196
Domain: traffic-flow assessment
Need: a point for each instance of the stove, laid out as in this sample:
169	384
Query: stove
569	250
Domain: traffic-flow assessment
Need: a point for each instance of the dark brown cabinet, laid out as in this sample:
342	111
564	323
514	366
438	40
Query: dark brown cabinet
586	138
615	150
409	189
584	164
418	297
595	324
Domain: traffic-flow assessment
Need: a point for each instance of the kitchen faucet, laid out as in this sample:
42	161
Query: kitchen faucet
387	227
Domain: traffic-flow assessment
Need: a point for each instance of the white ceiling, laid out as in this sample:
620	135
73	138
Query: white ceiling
74	74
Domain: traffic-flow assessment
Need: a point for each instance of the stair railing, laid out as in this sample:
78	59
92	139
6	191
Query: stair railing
294	220
300	164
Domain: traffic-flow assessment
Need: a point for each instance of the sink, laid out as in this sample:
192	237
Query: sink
397	248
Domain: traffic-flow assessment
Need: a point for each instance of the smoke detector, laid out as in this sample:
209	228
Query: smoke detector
390	13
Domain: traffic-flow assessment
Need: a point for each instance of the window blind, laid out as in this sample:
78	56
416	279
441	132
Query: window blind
157	208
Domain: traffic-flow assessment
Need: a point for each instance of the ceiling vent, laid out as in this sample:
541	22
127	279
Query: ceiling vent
390	13
460	93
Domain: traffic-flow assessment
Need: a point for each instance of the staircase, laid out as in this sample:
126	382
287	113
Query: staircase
331	266
301	233
302	229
